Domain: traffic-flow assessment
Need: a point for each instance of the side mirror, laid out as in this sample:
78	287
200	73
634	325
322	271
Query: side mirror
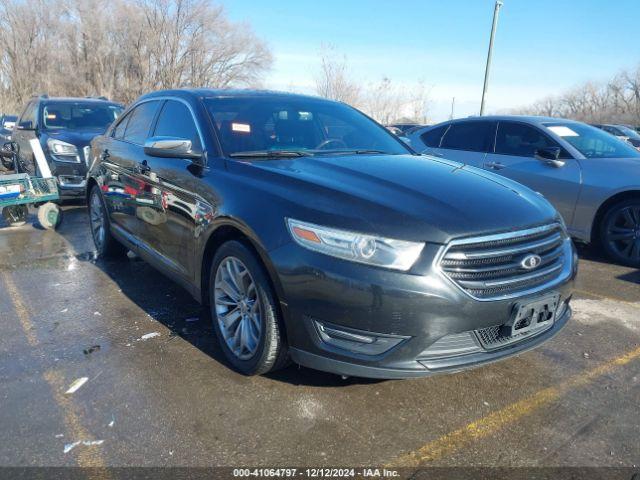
170	147
27	125
8	150
550	156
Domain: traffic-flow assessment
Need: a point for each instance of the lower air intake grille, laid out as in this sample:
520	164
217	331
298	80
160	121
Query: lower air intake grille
503	265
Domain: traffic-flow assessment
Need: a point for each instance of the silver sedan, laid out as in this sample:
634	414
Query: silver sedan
591	177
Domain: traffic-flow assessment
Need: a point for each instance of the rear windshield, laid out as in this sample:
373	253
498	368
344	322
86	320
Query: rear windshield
592	142
314	126
79	115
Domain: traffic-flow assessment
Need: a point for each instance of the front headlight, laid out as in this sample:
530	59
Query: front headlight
62	149
357	247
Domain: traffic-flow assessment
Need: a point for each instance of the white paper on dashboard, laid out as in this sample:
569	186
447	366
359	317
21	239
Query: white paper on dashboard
563	131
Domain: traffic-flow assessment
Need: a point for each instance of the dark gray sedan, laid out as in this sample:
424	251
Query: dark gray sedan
591	177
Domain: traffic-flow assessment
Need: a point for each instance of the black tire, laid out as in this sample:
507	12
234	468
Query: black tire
15	215
271	351
106	245
49	216
620	233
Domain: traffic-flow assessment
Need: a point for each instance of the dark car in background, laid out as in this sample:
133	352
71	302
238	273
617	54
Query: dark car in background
591	177
64	127
623	132
315	234
7	124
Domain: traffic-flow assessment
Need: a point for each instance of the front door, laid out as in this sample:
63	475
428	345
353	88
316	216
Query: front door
514	157
173	210
23	132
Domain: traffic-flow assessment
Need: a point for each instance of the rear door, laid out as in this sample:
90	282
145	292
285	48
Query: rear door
514	157
467	142
126	187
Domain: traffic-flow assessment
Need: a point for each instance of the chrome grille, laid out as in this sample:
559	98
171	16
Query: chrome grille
490	267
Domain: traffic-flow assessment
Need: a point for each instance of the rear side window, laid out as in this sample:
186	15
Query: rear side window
521	140
432	137
118	132
472	136
175	120
139	124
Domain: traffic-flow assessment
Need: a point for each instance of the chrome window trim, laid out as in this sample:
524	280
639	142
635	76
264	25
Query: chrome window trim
564	275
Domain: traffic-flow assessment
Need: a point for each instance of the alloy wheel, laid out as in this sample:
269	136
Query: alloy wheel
623	232
97	219
238	308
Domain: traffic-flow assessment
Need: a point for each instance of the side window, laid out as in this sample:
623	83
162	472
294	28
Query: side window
175	120
139	125
118	131
29	114
432	137
474	136
521	140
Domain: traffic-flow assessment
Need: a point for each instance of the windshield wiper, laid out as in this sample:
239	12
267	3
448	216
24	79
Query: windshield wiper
355	152
270	154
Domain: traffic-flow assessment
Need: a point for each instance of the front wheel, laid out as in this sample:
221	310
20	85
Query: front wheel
620	233
106	245
245	312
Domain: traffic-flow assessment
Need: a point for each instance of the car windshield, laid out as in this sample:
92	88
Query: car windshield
592	142
279	125
628	132
79	115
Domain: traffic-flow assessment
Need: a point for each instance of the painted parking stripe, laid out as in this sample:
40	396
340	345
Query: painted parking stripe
89	456
495	421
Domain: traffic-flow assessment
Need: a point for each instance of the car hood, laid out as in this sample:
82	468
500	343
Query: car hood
403	196
80	138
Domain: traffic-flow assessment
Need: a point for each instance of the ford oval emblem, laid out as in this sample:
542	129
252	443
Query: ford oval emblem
531	261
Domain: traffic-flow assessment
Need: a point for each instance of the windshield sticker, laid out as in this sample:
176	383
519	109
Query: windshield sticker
241	127
563	131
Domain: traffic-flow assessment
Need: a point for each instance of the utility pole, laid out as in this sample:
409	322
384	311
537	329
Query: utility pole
496	12
453	106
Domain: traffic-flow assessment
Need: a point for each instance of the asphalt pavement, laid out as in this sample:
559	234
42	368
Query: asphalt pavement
157	391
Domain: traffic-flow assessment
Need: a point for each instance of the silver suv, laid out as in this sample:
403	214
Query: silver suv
591	177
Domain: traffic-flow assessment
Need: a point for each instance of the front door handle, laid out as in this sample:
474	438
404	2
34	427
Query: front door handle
495	165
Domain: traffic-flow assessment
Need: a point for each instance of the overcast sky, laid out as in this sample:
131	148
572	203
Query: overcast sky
542	46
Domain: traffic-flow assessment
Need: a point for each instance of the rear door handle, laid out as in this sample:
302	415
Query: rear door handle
495	165
143	167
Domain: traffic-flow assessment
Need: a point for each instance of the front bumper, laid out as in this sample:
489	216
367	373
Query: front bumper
72	178
413	310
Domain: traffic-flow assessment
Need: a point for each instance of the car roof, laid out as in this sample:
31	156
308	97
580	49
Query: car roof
532	119
76	100
222	92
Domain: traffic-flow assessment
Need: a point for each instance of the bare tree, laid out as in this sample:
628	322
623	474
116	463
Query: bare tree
332	81
616	101
122	48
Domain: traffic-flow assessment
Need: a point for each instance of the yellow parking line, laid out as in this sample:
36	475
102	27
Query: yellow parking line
86	456
495	421
21	310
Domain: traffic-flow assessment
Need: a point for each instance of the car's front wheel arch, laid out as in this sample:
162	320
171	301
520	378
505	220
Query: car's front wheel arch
605	207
